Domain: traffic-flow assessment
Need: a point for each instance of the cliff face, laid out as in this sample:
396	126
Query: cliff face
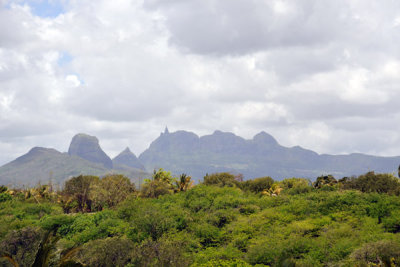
87	147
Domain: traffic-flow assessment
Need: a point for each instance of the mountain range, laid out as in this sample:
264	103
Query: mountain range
84	156
185	152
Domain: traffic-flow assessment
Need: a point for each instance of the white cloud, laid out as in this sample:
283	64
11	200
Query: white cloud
73	80
312	73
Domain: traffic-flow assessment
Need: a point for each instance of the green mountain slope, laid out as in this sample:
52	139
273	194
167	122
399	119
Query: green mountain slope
44	164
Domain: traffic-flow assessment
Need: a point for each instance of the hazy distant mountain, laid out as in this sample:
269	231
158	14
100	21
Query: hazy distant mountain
183	151
127	158
87	147
42	164
85	157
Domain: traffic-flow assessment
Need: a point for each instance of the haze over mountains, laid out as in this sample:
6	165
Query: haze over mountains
185	152
84	156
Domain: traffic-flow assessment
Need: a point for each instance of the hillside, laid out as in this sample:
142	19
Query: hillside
183	151
221	222
44	164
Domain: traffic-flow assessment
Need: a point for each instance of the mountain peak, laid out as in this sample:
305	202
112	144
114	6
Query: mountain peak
129	159
265	138
88	147
38	149
126	150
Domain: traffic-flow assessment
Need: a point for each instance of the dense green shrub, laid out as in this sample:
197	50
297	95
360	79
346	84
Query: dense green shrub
216	225
324	180
372	182
257	185
380	253
106	252
5	197
22	245
220	179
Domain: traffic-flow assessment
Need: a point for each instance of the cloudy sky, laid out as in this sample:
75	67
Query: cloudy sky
321	74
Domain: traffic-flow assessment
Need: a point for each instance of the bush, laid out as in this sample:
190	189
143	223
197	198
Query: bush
164	252
220	179
5	197
325	180
379	183
22	245
3	189
392	222
77	192
113	251
376	253
155	188
257	185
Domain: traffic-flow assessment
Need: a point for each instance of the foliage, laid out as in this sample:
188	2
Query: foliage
5	197
293	186
183	183
112	251
380	253
110	191
3	189
90	193
77	193
22	245
221	222
257	185
325	180
160	184
220	179
372	182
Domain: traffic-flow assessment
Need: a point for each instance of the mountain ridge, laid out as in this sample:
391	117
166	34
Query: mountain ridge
186	152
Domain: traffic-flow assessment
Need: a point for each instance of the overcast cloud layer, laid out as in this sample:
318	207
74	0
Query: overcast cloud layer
321	74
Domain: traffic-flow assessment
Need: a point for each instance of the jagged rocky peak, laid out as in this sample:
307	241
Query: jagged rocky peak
265	138
166	131
88	147
128	158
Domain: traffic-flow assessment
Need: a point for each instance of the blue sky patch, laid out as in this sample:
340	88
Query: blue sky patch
46	8
64	58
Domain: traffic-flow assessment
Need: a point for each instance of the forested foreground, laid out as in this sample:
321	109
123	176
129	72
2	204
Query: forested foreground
221	222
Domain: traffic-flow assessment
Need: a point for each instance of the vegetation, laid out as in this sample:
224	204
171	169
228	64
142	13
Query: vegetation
223	221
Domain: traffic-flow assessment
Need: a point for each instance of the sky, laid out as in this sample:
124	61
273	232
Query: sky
324	75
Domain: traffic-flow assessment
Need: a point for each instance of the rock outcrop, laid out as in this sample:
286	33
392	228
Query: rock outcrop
88	147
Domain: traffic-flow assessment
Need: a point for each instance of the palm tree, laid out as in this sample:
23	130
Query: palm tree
184	183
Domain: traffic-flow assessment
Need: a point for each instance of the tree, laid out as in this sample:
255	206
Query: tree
76	193
220	179
257	185
380	253
114	251
21	246
379	183
110	191
162	176
183	183
160	184
324	180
